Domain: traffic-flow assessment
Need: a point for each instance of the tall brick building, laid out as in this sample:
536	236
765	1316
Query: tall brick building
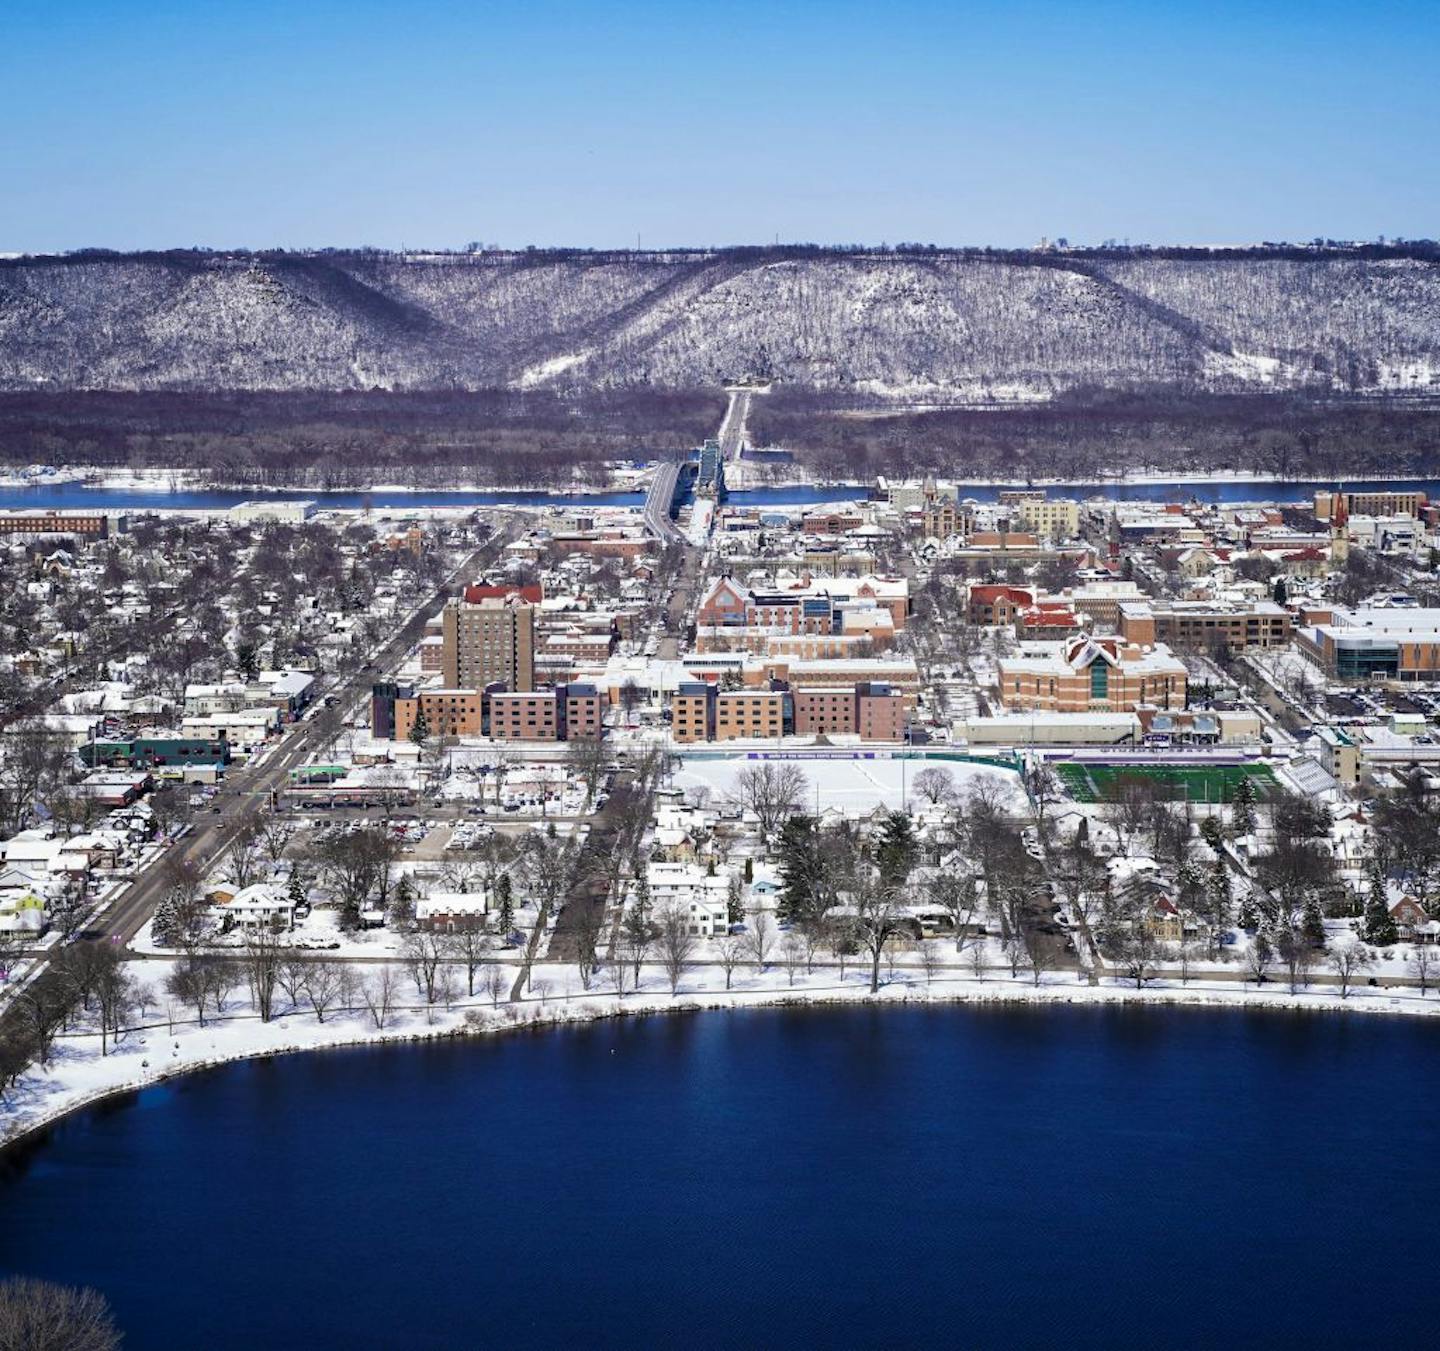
489	640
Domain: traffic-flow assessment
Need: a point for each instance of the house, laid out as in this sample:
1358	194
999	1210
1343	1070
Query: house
38	854
253	909
1162	918
22	911
447	911
1411	920
116	787
699	895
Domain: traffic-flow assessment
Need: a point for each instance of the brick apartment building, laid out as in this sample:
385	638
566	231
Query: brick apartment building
871	710
757	715
1203	624
447	713
86	524
489	640
565	713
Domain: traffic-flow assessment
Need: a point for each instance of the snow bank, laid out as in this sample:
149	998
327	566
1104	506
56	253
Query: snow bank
79	1076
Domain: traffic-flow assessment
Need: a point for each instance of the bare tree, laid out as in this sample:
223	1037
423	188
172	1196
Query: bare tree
773	790
1422	966
930	960
959	897
423	953
324	984
728	951
760	938
1139	954
378	990
586	757
1258	958
495	982
38	1316
470	945
222	975
621	973
978	961
588	924
41	1010
1040	957
189	982
676	944
114	994
934	785
1296	956
636	939
357	868
291	975
243	857
1017	954
264	955
878	919
275	834
1347	961
792	954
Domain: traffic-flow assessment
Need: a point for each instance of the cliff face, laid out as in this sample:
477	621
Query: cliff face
947	327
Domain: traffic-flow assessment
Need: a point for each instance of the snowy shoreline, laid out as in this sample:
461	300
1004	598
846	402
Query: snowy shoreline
251	1039
161	481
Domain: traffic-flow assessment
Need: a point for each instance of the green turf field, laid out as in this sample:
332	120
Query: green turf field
1213	783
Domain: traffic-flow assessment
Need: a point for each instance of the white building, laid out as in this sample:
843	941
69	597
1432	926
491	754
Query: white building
203	700
255	908
291	513
690	888
245	729
449	910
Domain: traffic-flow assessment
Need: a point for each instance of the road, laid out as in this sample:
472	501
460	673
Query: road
732	429
659	501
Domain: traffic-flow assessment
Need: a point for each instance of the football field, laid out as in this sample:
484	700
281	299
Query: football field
1207	783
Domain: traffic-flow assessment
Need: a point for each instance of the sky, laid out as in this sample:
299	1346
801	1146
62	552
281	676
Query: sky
151	123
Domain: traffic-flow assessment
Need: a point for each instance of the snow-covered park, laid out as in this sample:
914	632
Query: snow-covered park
846	784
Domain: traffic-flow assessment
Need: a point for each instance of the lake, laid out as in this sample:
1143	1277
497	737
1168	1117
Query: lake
82	496
856	1177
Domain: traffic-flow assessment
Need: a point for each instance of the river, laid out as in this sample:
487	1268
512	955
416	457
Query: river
1011	1177
84	496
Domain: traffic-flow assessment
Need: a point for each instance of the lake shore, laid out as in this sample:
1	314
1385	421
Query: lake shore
80	1078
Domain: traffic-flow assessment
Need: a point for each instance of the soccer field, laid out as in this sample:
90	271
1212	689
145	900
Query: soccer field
1212	783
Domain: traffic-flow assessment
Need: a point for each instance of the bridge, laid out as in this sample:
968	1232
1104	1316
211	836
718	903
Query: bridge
702	472
660	503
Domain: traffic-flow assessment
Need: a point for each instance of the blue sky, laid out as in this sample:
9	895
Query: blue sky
132	124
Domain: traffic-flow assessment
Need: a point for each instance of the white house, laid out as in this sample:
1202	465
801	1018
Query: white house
702	897
256	907
450	910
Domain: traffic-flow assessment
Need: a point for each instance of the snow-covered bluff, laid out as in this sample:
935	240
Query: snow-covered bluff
945	326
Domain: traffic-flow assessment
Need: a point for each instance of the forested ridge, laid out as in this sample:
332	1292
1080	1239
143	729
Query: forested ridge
897	325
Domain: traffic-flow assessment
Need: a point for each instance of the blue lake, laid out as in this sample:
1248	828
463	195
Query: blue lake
834	1178
81	495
